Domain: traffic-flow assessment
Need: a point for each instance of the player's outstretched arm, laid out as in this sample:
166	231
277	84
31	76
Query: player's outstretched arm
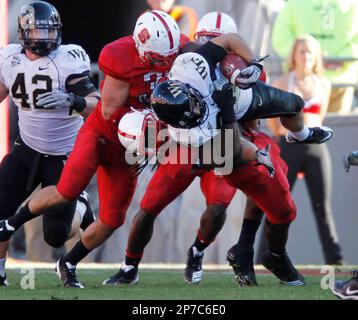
114	95
232	42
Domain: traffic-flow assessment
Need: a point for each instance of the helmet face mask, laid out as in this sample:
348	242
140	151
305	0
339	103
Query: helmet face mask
39	28
204	37
179	105
158	61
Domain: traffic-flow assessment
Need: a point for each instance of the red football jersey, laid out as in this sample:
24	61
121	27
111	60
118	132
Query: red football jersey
120	59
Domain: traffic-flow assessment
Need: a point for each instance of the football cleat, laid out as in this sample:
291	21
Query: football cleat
89	216
3	281
241	261
6	231
347	290
125	275
317	135
194	271
281	266
67	275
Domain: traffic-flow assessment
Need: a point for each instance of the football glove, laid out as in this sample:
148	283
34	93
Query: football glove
350	159
249	76
263	158
58	100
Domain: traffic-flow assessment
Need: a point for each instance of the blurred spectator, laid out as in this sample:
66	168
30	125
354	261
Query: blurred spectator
334	24
184	16
313	161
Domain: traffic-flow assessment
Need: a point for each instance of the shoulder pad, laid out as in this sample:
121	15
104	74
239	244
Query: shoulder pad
9	50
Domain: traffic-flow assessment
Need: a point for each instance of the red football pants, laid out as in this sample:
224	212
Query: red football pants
272	195
170	180
116	180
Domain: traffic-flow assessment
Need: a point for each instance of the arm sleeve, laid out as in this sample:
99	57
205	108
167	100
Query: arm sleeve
112	61
283	33
213	54
77	64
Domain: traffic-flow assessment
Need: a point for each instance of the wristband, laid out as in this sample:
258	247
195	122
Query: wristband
78	103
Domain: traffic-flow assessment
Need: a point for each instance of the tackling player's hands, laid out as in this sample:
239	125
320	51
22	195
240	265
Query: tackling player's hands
55	100
263	158
249	76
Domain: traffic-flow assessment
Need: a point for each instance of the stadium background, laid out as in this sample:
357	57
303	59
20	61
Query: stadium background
92	24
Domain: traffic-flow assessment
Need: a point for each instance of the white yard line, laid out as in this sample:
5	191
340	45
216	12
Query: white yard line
20	264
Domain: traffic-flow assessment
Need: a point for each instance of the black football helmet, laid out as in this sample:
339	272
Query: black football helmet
178	104
39	28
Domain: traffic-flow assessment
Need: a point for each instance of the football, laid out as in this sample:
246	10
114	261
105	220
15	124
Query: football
231	66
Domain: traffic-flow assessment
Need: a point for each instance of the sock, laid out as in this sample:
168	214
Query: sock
302	134
2	267
132	259
248	232
78	252
21	217
200	244
276	236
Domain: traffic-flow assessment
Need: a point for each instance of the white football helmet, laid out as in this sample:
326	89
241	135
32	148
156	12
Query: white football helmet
157	38
214	24
138	130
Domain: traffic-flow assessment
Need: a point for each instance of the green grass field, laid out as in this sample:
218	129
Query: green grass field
163	284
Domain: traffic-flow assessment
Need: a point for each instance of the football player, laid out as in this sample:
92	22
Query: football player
348	290
240	256
168	182
132	65
50	85
171	180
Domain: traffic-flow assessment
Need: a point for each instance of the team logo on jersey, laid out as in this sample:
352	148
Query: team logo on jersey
200	67
144	35
78	54
15	61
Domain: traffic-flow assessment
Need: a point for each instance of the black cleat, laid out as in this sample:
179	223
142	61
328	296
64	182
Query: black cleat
3	281
281	266
194	271
241	261
317	135
6	231
347	290
67	275
89	216
125	275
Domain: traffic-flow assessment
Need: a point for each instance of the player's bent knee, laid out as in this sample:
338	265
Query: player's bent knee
112	219
151	208
218	212
284	217
56	235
